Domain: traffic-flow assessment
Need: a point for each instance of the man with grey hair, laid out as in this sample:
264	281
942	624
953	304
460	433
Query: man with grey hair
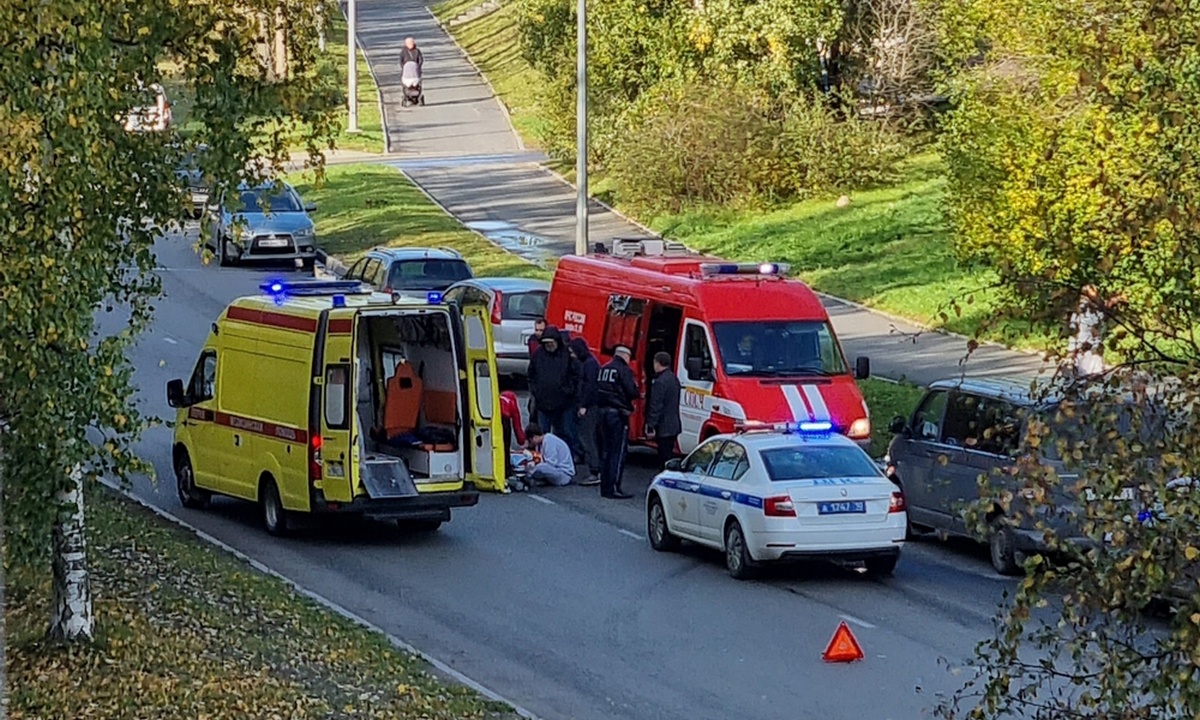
616	390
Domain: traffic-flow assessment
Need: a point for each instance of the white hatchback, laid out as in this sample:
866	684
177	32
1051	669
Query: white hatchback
779	494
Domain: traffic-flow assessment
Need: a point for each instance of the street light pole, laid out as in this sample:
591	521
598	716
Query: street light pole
581	131
352	70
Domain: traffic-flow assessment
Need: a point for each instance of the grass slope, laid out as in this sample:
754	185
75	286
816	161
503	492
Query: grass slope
886	400
188	632
890	249
363	206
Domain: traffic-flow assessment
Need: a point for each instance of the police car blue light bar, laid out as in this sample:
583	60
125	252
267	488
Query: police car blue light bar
815	427
744	268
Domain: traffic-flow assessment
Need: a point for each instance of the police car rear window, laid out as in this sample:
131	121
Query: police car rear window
817	463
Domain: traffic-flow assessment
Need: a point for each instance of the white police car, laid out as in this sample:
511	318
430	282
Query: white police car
770	493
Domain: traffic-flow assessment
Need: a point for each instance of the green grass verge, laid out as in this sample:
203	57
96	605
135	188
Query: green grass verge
187	632
333	60
890	249
363	206
886	400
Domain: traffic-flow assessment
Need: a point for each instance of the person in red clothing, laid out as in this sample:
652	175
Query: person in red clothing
510	418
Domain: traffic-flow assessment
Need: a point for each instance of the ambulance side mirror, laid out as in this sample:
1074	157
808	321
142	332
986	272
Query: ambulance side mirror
862	368
175	395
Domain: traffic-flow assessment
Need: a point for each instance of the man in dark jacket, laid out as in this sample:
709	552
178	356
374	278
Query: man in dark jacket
617	389
553	383
411	53
589	374
662	410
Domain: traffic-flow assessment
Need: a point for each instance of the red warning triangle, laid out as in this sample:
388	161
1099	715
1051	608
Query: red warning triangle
843	647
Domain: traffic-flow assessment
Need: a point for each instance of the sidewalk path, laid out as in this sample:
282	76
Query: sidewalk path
461	149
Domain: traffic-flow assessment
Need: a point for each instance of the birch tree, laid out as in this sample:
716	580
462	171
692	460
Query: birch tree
81	203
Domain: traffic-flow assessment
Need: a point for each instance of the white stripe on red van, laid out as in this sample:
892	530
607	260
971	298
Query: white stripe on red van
820	411
801	412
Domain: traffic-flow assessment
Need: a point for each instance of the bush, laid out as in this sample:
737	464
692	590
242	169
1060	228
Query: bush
695	143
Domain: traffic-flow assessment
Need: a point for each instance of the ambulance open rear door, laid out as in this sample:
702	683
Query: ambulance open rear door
484	436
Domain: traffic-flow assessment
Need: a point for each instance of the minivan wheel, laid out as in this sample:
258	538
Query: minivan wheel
275	518
190	496
661	537
1002	546
737	557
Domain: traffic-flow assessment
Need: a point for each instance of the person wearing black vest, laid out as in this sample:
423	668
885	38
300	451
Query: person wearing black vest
616	389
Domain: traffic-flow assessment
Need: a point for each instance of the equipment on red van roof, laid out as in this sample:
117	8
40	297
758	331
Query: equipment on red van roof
748	343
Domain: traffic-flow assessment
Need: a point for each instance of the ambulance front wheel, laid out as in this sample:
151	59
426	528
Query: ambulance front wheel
275	518
190	496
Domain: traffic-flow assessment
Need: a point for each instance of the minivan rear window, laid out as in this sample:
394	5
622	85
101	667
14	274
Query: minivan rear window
523	306
807	462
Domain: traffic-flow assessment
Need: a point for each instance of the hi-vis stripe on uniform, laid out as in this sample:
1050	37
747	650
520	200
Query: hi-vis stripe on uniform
806	403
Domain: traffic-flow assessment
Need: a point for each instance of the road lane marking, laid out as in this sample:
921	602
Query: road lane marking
170	340
543	500
628	533
322	600
857	621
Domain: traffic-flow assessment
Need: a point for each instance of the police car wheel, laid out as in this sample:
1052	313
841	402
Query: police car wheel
661	537
275	518
190	496
737	556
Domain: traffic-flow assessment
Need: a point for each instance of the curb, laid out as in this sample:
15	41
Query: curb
321	600
331	263
504	108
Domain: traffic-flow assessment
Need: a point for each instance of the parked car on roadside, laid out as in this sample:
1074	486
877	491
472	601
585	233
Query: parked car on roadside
963	430
514	303
155	117
410	271
192	178
264	222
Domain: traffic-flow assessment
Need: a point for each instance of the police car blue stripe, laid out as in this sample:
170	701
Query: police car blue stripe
709	491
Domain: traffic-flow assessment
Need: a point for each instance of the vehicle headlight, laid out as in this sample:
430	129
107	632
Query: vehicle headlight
305	234
860	428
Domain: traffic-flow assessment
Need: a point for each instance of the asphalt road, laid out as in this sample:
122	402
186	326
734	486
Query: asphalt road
556	601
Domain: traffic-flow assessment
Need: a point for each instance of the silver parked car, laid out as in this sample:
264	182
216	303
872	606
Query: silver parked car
515	304
263	223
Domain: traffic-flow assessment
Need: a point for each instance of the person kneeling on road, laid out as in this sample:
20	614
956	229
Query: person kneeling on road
553	464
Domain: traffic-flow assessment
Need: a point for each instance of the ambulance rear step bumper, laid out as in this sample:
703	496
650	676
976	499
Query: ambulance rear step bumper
427	506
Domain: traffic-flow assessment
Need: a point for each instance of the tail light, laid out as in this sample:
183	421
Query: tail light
780	506
314	457
496	307
898	504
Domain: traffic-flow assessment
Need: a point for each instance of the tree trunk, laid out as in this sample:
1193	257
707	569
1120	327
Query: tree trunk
71	616
3	607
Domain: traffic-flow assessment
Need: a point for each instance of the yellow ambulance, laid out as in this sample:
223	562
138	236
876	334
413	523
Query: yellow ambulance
324	397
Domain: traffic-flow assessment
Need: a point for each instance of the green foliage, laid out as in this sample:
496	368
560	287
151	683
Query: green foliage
699	143
83	201
192	633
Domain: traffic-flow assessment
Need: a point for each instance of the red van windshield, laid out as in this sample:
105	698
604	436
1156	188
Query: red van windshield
778	348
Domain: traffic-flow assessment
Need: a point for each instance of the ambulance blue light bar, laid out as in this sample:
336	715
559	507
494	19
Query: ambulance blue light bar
806	427
744	268
280	289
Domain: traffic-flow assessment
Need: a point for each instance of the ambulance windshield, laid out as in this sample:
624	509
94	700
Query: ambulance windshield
778	348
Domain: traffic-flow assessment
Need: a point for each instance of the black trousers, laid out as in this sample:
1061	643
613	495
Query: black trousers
614	442
666	448
508	431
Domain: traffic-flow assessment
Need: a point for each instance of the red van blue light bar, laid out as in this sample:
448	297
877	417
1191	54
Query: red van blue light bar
744	268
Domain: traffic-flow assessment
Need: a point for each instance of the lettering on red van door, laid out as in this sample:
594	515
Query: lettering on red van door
573	322
693	399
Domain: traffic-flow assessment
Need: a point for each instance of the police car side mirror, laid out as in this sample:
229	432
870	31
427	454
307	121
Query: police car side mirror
673	464
899	426
862	368
175	395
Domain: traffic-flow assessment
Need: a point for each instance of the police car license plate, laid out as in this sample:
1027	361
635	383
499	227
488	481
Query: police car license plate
842	508
273	242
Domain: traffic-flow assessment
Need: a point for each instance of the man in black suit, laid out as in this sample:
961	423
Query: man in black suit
662	410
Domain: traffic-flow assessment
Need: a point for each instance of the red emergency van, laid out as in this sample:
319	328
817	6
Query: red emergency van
748	344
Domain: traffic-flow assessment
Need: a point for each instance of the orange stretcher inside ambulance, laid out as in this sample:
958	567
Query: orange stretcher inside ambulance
324	397
748	344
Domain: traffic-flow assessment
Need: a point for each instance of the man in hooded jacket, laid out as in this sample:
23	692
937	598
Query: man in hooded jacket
553	383
588	413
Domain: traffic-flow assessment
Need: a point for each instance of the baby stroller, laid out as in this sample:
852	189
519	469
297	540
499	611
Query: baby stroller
410	78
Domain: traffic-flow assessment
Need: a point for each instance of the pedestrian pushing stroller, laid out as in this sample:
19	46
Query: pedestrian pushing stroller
410	78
